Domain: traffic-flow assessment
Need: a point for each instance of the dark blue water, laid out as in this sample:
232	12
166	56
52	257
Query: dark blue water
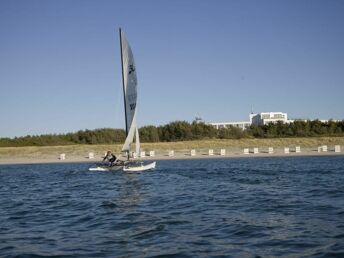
245	207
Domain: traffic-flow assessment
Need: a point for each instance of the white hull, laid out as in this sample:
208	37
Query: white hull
99	168
138	168
131	167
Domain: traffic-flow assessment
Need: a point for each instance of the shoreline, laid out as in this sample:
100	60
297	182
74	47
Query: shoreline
34	158
234	148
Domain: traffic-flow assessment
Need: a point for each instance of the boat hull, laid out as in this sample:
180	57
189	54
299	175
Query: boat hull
103	168
130	167
139	168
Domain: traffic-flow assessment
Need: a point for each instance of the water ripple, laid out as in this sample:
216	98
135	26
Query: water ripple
261	207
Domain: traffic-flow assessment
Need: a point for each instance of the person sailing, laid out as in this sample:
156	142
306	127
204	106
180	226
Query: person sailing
110	157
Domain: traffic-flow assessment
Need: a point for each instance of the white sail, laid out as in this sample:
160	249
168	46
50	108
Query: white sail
137	138
129	90
130	136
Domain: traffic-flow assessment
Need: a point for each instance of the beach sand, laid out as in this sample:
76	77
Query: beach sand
36	155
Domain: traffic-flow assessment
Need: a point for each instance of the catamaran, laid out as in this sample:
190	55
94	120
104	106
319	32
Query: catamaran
129	80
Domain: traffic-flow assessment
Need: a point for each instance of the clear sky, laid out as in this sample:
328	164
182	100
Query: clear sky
60	61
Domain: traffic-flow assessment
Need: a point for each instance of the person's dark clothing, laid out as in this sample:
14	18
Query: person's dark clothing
110	157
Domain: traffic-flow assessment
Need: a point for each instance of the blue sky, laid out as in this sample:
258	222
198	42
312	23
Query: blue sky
60	61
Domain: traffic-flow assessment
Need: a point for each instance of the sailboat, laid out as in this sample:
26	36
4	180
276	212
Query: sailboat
129	80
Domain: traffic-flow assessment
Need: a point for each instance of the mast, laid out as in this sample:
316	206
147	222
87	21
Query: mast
125	104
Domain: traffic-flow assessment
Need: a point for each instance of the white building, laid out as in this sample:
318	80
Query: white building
263	118
241	125
256	119
269	117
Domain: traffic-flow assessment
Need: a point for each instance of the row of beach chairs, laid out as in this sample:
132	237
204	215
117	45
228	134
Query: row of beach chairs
270	150
222	152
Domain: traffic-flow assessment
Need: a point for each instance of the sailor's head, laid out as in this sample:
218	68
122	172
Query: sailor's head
108	152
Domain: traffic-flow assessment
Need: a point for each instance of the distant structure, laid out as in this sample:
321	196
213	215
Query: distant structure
263	118
269	117
198	119
256	119
242	125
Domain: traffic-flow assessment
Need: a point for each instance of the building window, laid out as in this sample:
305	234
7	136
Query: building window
278	116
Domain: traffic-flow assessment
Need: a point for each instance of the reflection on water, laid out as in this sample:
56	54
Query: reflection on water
129	192
287	207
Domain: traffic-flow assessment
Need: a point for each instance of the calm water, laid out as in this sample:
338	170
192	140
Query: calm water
245	207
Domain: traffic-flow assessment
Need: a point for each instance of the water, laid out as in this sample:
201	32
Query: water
244	207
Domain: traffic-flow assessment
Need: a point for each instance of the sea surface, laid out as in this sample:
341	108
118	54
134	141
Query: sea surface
235	207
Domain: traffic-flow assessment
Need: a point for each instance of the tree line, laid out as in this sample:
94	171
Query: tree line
182	131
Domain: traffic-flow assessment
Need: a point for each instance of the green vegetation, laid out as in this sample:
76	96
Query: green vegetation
298	129
97	136
182	131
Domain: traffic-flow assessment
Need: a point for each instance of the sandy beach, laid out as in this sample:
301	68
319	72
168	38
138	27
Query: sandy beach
80	153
